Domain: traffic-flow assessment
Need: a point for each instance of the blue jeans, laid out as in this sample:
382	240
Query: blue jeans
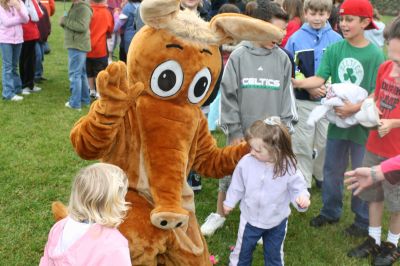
79	86
337	157
10	78
272	244
39	49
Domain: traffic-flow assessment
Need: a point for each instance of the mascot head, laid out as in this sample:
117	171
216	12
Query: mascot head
176	55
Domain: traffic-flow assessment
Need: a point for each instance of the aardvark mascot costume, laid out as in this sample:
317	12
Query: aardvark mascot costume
148	122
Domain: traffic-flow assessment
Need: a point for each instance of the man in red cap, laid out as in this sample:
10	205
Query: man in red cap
353	60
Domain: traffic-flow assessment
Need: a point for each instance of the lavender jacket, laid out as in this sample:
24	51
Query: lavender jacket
264	200
11	24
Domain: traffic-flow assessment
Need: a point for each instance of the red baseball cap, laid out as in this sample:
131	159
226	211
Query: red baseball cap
360	8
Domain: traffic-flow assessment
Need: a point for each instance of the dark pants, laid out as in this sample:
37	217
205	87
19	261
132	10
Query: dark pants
272	243
27	64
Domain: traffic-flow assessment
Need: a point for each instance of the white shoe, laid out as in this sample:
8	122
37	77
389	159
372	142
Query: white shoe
70	107
36	89
26	91
212	223
260	241
16	98
92	93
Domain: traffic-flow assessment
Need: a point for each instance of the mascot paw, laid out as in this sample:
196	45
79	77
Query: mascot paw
169	220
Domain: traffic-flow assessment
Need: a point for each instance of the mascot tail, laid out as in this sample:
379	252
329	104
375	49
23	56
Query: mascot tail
59	210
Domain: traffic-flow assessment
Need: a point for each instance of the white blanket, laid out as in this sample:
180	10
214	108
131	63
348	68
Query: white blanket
336	95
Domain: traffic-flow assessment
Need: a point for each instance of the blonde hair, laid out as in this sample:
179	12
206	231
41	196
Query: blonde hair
278	142
318	5
4	4
98	195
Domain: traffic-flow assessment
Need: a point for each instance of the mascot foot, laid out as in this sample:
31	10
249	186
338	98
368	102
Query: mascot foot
169	220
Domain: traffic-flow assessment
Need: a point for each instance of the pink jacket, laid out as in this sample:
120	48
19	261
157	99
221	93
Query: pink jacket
391	169
99	246
11	24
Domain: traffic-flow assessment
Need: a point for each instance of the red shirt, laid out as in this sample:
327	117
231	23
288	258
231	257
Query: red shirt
387	98
31	31
102	23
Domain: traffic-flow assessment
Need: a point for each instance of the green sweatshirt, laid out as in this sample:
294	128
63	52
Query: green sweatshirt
76	26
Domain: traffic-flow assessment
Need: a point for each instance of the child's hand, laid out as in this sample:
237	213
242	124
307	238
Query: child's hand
347	109
385	126
303	201
296	83
15	3
227	210
317	93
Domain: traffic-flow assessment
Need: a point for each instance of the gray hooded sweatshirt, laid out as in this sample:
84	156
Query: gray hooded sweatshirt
255	84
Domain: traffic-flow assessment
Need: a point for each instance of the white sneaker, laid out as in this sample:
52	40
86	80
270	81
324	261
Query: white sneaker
70	107
260	241
212	223
16	98
36	89
26	91
92	93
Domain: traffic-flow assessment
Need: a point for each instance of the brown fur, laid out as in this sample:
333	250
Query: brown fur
158	140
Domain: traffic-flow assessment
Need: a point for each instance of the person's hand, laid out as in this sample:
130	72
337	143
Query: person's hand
317	93
61	21
15	3
346	110
385	126
360	178
296	83
227	209
303	201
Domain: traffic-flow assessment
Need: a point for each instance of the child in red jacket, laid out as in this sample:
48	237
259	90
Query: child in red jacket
101	25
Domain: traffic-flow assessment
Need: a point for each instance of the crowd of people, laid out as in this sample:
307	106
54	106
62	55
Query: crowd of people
264	96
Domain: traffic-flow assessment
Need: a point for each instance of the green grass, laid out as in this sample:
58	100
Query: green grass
37	163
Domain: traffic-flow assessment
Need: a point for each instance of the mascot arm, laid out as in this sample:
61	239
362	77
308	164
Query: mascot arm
94	135
213	161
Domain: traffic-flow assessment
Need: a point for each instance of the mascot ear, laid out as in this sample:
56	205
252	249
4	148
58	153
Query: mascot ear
158	13
231	26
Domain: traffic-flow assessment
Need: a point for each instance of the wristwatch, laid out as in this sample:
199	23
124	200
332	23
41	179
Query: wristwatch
373	175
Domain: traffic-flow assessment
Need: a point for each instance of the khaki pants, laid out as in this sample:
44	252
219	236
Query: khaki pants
306	139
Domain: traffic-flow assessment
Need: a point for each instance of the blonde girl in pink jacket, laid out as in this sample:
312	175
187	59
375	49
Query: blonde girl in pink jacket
89	234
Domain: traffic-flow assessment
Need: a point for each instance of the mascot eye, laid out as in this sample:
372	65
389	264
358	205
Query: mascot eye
199	86
167	79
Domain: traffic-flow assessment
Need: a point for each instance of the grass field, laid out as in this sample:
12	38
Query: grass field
37	163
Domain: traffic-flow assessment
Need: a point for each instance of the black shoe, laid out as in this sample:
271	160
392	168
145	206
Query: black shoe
194	180
388	255
321	220
318	183
356	231
368	247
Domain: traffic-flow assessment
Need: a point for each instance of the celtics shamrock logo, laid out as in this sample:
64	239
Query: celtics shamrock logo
350	70
349	75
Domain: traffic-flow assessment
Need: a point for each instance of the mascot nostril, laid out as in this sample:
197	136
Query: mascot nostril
163	223
148	122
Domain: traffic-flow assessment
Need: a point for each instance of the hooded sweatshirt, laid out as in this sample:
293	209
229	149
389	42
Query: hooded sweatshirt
255	84
376	35
307	45
76	26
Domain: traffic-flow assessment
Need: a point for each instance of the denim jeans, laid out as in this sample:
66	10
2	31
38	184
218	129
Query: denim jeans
272	244
39	49
337	157
10	78
79	86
